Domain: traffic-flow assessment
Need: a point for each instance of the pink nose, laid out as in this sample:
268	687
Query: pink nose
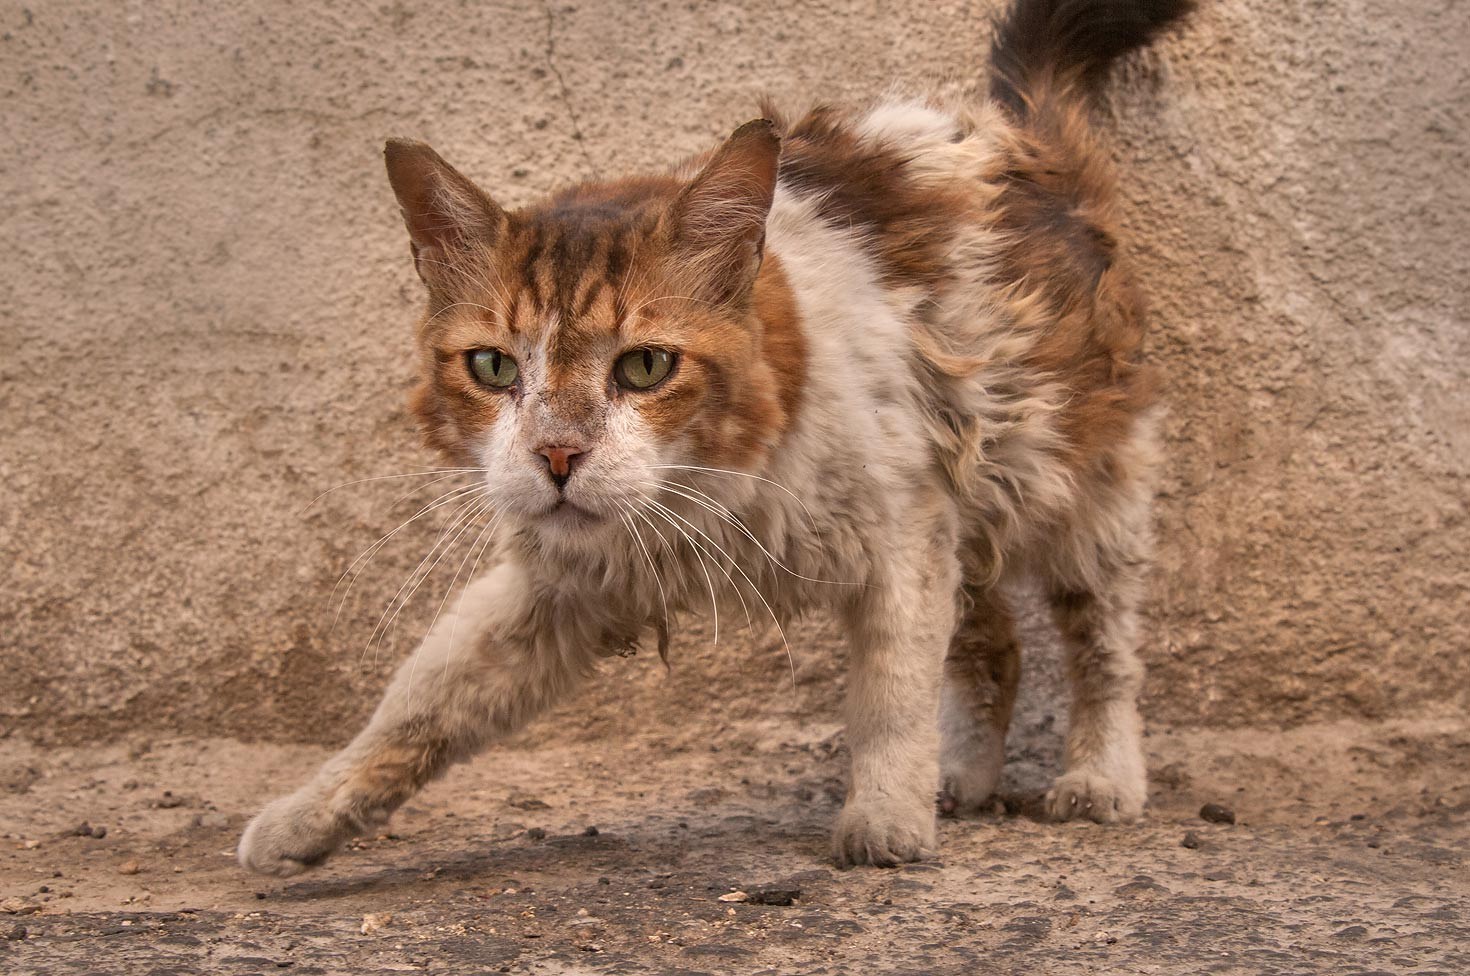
559	461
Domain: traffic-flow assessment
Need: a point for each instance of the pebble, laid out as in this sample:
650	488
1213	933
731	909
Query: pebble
85	829
373	921
1191	840
16	933
536	833
525	801
130	866
590	832
773	895
1215	813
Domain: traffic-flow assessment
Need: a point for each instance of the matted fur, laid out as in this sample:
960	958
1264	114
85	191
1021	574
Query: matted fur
907	369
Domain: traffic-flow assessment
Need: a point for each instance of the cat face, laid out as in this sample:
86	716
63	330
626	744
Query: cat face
576	349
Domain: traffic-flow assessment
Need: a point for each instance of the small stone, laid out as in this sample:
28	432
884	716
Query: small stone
130	866
373	921
739	896
1191	840
1215	813
536	833
168	801
525	801
773	895
590	832
19	906
17	933
214	820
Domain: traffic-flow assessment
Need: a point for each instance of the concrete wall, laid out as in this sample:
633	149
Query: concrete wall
207	296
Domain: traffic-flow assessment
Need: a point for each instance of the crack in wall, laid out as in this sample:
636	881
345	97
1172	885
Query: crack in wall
566	94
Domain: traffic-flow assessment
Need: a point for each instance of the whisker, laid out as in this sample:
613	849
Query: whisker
385	477
453	531
744	474
488	535
414	491
698	549
790	659
724	513
371	551
449	591
633	531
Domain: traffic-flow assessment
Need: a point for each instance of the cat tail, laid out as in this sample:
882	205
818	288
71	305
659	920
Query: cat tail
1069	44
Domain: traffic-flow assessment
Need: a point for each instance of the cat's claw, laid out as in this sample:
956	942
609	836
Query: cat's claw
1085	794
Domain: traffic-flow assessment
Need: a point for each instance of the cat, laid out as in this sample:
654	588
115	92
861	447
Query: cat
876	362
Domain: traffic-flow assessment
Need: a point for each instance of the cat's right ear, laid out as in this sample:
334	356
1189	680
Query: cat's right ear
446	214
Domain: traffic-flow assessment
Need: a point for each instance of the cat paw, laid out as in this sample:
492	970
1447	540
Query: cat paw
288	837
1088	794
966	789
883	833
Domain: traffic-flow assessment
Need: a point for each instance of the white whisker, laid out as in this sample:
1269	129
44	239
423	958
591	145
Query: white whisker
366	556
458	523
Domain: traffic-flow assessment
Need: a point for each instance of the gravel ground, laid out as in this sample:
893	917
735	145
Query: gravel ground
1347	857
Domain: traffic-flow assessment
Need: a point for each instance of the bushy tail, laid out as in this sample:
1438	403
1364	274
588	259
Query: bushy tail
1070	42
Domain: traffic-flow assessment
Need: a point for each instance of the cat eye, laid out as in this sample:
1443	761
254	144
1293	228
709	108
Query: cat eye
493	368
643	369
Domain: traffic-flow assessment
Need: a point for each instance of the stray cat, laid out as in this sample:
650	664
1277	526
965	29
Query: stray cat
876	362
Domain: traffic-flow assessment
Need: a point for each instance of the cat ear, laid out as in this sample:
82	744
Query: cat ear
445	212
719	220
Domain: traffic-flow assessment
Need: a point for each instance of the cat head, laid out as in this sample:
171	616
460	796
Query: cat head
576	349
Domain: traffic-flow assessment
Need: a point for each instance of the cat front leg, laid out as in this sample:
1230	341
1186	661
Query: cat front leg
900	627
479	676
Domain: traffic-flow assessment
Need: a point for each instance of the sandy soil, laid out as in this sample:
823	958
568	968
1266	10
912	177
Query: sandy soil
1348	857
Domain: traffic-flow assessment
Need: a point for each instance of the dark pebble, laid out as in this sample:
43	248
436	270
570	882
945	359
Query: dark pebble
1215	813
1191	840
16	933
772	895
536	833
590	832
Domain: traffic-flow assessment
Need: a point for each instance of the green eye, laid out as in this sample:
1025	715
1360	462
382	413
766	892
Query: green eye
643	369
493	368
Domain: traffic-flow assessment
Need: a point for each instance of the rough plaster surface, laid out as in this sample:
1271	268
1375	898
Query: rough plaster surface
207	297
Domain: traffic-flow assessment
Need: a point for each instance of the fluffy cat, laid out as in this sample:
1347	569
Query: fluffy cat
874	362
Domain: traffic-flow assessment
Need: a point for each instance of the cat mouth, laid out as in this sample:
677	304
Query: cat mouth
568	511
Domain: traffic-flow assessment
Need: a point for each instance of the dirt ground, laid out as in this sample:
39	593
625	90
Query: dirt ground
1348	856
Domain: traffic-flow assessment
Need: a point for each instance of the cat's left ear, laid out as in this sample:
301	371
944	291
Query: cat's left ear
445	212
719	221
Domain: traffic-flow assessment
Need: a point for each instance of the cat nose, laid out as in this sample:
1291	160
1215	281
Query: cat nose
560	460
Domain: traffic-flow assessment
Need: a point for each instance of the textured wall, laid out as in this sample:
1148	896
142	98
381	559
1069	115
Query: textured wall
207	296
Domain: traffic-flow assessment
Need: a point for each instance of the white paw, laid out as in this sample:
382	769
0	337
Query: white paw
883	832
1090	794
967	780
289	836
